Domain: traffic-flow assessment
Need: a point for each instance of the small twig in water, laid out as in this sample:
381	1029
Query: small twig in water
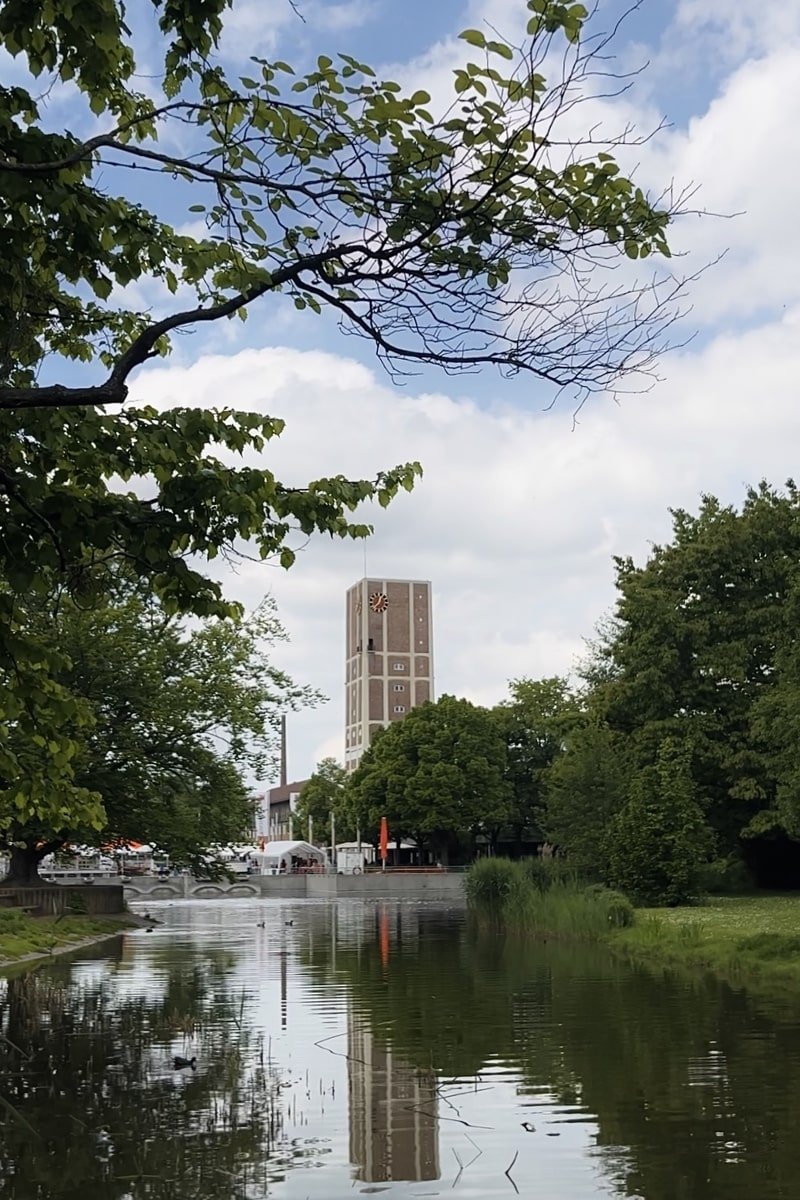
508	1169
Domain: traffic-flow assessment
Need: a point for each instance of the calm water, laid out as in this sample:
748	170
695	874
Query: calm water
386	1049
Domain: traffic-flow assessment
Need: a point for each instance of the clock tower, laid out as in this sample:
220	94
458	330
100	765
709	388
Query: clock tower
389	648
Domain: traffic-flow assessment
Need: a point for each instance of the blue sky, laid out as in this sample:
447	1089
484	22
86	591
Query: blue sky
520	511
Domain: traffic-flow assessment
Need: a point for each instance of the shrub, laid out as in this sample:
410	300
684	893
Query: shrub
619	910
490	882
544	899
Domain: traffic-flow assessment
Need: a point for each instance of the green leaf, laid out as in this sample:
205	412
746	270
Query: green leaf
474	37
501	48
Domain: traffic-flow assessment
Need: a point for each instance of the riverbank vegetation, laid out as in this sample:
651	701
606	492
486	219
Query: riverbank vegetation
742	937
23	935
542	897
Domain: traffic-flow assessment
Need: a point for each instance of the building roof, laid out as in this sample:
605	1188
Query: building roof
282	793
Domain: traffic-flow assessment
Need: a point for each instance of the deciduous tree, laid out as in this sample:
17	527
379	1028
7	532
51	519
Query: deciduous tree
659	838
702	637
324	794
438	776
584	788
176	718
537	719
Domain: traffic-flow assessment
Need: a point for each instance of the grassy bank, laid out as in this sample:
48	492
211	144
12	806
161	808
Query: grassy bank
741	937
747	939
22	935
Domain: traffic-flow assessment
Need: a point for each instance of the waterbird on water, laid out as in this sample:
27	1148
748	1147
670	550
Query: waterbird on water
262	925
526	1125
180	1064
290	922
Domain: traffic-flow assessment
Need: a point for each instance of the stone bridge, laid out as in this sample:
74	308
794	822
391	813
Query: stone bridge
412	885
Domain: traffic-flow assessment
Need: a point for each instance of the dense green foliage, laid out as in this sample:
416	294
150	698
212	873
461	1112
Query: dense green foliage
438	776
436	237
537	896
177	716
325	795
586	785
537	718
701	656
658	839
703	651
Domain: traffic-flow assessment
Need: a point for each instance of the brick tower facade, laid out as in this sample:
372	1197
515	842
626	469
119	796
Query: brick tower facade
389	666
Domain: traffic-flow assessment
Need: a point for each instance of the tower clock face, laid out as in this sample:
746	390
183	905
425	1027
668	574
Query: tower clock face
378	602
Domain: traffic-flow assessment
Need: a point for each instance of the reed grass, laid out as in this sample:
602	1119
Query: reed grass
543	898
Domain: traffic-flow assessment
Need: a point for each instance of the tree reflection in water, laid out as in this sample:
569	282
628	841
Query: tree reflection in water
98	1110
693	1087
656	1086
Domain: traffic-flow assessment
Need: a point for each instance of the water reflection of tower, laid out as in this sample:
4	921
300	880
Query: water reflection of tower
394	1131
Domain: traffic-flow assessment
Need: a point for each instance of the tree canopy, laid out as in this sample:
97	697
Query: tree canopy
537	718
584	788
176	717
702	650
324	795
436	234
438	775
658	839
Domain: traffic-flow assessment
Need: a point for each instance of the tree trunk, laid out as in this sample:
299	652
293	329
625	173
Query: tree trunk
23	869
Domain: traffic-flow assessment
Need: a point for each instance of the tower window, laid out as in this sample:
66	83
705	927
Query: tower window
398	708
398	666
398	687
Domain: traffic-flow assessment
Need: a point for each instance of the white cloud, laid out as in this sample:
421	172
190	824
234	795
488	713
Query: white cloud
735	32
517	516
258	27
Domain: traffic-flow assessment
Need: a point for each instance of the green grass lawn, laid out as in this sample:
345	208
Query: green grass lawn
22	934
739	937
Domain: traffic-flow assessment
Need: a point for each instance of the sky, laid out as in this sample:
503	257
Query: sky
522	507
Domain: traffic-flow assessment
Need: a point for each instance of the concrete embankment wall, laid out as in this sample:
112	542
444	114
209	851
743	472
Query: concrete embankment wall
438	885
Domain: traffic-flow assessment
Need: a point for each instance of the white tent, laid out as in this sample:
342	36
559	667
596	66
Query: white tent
281	858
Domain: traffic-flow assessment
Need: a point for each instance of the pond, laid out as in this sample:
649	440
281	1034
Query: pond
386	1049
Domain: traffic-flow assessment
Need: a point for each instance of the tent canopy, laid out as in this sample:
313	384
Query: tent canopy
277	851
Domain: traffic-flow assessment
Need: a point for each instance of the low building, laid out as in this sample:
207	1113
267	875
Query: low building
274	815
